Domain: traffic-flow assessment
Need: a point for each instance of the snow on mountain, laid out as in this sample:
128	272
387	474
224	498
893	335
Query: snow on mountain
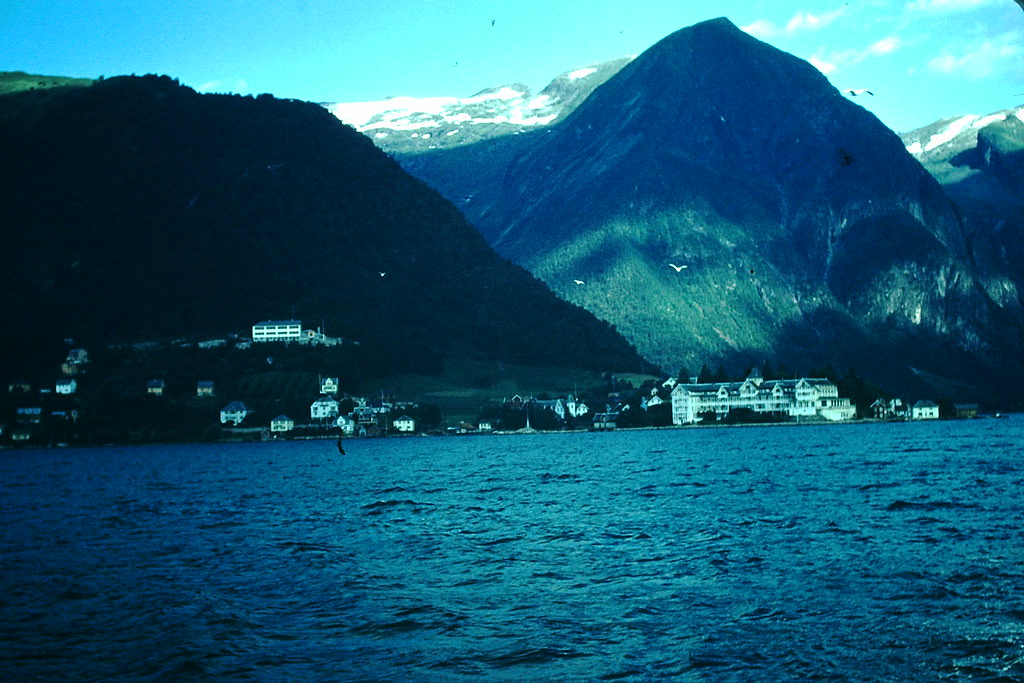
965	128
937	144
511	104
411	125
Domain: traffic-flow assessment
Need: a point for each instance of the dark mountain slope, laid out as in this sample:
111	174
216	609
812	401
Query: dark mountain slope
808	232
136	209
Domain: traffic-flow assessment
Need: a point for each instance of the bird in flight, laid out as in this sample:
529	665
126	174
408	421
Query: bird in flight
678	268
579	282
864	91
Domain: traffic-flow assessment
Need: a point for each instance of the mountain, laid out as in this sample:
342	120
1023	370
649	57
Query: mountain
137	209
410	125
803	231
979	160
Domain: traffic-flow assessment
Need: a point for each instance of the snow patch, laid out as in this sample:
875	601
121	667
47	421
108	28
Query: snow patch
502	105
581	73
964	124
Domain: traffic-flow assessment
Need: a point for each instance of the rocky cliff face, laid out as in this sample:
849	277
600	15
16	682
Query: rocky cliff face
718	200
979	160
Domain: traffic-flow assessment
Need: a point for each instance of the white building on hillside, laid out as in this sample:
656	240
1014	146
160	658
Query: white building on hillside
277	330
800	398
234	412
324	408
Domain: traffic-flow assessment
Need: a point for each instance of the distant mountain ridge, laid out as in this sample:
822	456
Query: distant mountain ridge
409	125
804	231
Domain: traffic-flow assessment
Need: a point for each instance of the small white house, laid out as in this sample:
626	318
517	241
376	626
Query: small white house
346	424
204	388
924	410
328	386
234	412
404	424
66	386
324	408
282	423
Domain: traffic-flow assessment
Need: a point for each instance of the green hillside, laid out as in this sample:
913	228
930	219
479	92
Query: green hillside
137	210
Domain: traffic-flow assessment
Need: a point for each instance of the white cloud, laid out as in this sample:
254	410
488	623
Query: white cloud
946	5
801	21
762	28
885	46
827	63
805	21
981	59
821	65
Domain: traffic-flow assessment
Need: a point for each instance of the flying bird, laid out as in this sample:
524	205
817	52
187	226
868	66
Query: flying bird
679	268
579	282
865	91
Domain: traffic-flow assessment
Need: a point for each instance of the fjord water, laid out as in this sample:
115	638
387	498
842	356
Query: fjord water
852	552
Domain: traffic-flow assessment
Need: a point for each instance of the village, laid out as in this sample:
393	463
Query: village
41	415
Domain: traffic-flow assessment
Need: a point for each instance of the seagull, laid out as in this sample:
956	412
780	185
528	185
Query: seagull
679	268
863	91
579	282
382	273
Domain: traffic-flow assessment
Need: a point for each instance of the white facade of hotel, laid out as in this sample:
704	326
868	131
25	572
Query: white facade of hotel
798	398
277	330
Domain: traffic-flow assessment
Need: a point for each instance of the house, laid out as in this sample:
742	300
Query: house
924	410
404	424
812	398
78	356
966	410
234	412
346	424
204	388
362	413
155	387
606	420
66	386
328	386
324	408
277	330
892	409
74	361
556	406
575	406
19	387
485	426
29	415
282	423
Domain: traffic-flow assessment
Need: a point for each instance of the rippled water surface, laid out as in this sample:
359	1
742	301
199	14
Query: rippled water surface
853	552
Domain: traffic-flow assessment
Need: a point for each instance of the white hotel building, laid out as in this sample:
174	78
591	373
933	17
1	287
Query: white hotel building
797	398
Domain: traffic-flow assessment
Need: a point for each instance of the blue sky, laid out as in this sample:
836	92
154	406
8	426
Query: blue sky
923	59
